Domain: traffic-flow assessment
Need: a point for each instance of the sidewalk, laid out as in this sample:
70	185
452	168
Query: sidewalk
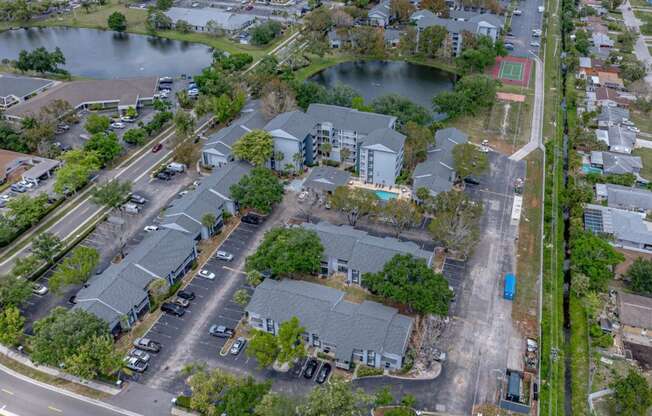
640	48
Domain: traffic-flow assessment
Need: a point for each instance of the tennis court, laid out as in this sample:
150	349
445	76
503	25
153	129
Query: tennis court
511	70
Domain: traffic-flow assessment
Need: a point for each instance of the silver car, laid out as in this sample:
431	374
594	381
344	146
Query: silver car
224	255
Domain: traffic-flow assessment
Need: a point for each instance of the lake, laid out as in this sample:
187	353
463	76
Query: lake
106	54
372	79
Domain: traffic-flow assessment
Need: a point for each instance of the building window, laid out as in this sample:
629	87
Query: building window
371	358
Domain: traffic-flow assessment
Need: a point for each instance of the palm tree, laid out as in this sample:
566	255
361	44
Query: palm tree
208	221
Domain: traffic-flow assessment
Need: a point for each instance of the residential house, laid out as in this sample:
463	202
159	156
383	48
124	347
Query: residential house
609	97
584	67
601	53
635	314
212	196
392	38
601	40
119	295
616	163
355	252
15	89
485	24
628	229
325	179
624	197
199	19
612	116
366	333
611	79
380	158
217	151
380	14
337	39
437	172
293	139
621	139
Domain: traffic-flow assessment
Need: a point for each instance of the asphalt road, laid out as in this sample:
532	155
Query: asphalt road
83	211
22	398
522	28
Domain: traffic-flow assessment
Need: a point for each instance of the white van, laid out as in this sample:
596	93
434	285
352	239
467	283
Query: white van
177	167
131	208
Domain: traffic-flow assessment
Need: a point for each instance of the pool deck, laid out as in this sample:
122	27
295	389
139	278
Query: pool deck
402	191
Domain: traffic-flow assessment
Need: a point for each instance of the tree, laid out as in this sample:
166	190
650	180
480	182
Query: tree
208	220
265	33
402	108
432	39
242	397
11	140
224	107
241	297
96	123
309	92
27	211
483	54
40	60
256	147
408	400
384	397
418	139
164	4
276	404
263	347
469	160
401	10
254	278
455	221
287	251
112	194
24	267
632	394
354	203
259	190
436	6
640	275
207	387
75	269
401	214
95	357
582	42
318	20
368	41
277	98
136	136
184	124
290	343
341	95
106	146
472	93
156	19
11	326
336	398
594	257
62	334
341	18
46	246
182	26
185	152
409	280
632	69
15	289
117	22
78	166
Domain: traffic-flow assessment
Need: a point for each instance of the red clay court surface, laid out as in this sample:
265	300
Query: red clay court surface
512	70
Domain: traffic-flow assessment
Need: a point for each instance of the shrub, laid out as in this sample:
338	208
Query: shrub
365	371
135	136
183	401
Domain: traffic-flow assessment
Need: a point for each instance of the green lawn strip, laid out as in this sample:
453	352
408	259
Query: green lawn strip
643	121
579	352
646	158
52	380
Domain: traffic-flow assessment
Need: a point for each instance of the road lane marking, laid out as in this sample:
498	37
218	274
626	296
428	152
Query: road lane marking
54	409
8	392
234	270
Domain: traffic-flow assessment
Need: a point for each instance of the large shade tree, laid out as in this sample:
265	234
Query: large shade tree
287	251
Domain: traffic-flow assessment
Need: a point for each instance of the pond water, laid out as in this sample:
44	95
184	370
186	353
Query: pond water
106	54
372	79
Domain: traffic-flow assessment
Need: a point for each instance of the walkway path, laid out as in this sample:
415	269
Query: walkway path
640	47
536	138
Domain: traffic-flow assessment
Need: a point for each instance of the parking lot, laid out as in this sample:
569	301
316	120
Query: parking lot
522	26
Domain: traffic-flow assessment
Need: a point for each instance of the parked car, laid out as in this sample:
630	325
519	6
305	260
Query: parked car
117	125
138	199
127	119
163	176
147	344
252	218
63	126
517	12
172	309
627	122
310	369
535	44
185	294
509	46
184	303
323	374
223	255
18	188
140	354
237	346
135	364
206	274
39	289
150	228
470	180
157	147
298	367
220	331
634	129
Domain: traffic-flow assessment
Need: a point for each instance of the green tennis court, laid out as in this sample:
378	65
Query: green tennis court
511	70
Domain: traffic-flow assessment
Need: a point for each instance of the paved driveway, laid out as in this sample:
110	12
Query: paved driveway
522	28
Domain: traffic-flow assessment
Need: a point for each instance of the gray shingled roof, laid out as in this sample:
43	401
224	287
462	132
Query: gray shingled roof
626	197
11	85
364	252
613	115
200	17
617	163
624	225
619	136
326	178
635	310
437	172
386	138
323	311
223	140
350	119
381	9
296	123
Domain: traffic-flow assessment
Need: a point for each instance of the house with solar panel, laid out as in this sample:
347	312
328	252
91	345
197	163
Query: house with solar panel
366	333
628	229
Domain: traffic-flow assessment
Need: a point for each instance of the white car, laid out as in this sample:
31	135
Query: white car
634	129
140	354
39	289
535	44
150	228
206	274
117	125
5	197
517	12
26	184
223	255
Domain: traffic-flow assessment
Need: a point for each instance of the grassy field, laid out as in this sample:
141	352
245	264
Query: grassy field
646	157
643	121
579	351
524	309
98	16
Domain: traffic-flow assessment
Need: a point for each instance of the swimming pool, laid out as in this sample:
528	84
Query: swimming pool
386	196
587	168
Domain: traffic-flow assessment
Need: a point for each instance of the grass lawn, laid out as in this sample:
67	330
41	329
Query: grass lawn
524	309
643	121
646	157
639	3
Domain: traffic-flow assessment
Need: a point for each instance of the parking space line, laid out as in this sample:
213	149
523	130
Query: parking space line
229	319
234	270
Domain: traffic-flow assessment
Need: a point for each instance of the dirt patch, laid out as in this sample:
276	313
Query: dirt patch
630	256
